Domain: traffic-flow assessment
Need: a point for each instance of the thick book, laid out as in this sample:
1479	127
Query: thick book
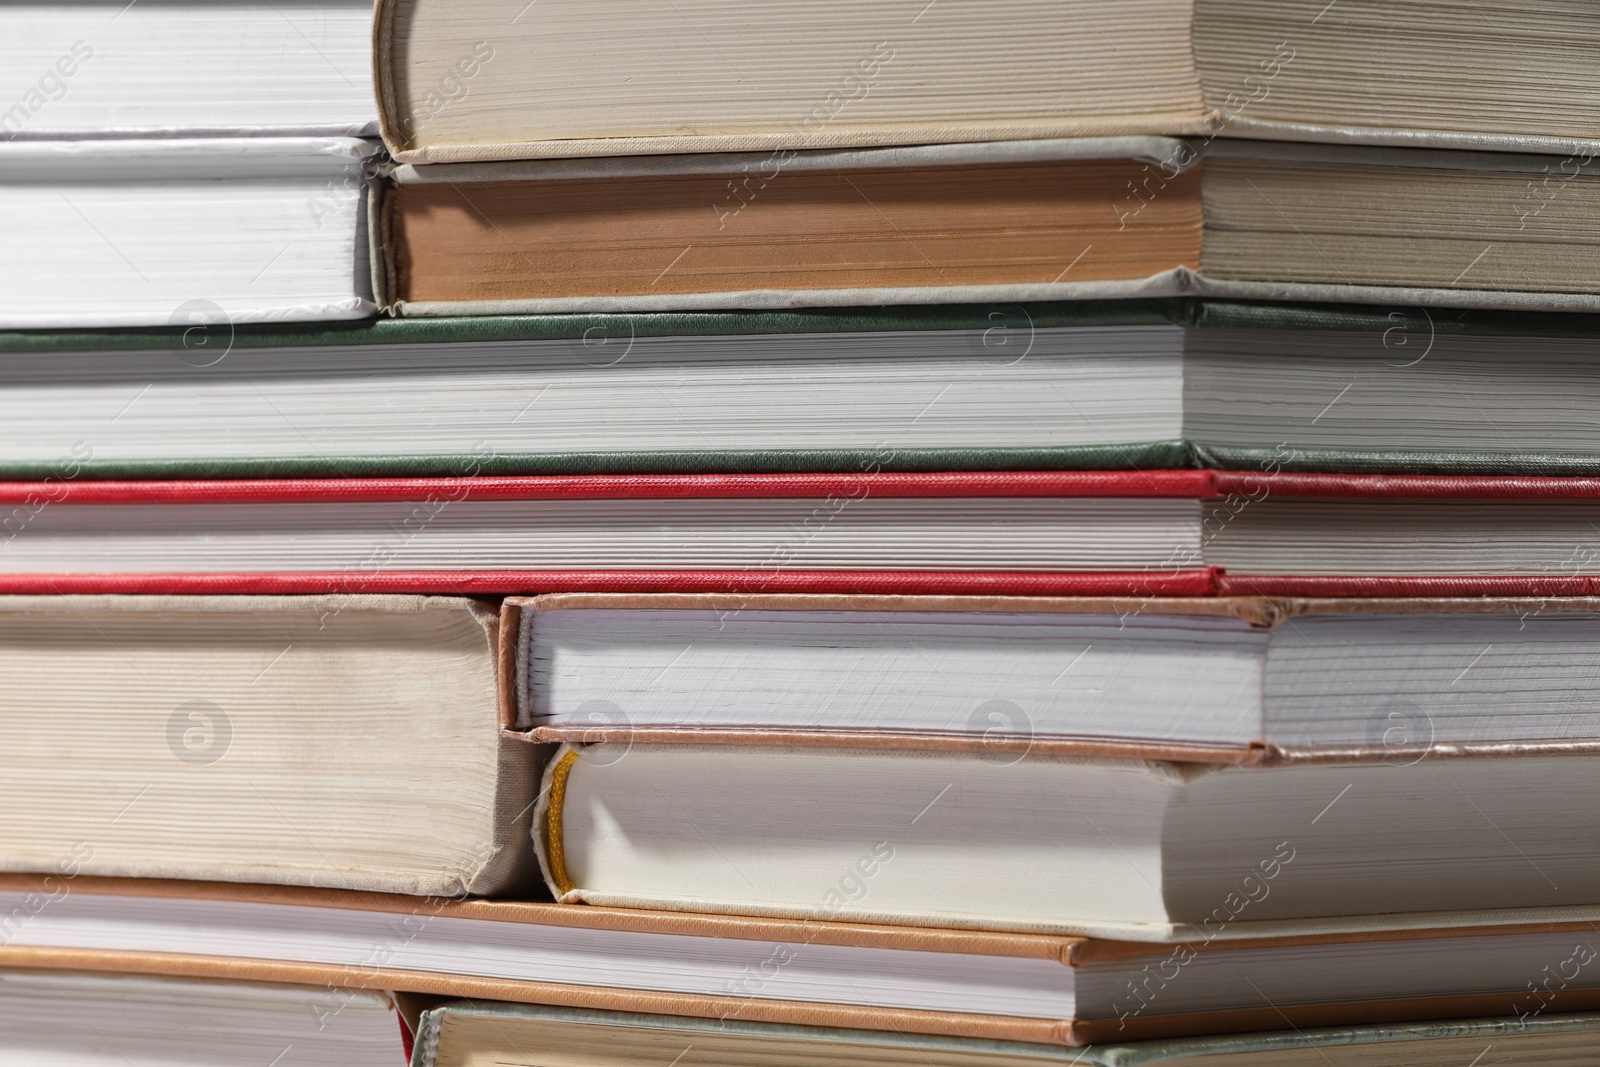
1107	533
56	1018
1086	384
331	741
192	234
1241	680
1115	846
1023	220
108	68
466	1033
1013	987
495	79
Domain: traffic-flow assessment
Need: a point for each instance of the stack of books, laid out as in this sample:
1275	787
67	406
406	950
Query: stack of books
978	534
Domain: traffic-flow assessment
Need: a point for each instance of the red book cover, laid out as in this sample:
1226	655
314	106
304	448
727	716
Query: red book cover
22	502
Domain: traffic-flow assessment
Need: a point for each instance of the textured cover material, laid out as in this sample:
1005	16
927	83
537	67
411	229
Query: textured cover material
1258	611
1160	483
1433	586
1379	461
907	741
432	1021
473	329
1547	1041
1191	312
1521	1041
1143	149
1180	281
1396	295
502	583
1448	140
1180	484
1163	583
1142	128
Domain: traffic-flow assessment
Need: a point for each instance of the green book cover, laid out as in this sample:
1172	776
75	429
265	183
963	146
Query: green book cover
195	331
200	333
193	353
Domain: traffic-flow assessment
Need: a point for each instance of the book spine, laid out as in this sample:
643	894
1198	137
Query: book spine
1151	455
1175	583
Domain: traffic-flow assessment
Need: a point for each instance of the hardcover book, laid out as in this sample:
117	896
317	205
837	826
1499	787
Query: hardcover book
1106	533
991	221
1229	680
1013	987
491	79
56	1018
471	1034
1121	847
188	233
104	68
1087	384
332	741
